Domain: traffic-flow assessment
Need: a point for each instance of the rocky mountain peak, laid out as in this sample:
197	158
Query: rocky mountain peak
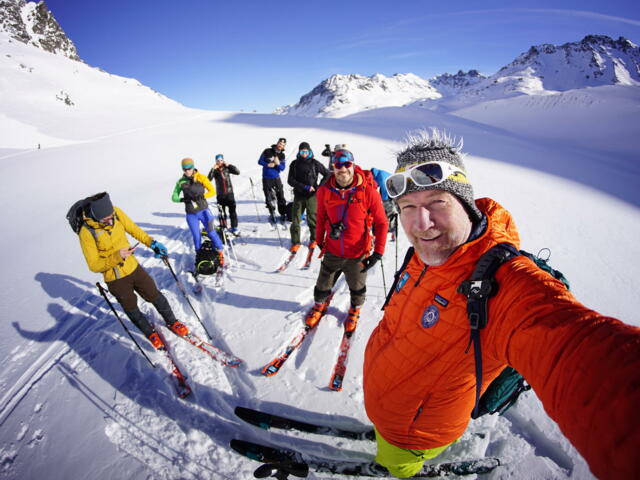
33	24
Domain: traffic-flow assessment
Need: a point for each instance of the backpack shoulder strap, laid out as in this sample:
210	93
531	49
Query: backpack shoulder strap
91	230
478	289
396	276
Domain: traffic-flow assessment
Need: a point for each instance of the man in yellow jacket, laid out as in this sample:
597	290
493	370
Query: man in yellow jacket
106	249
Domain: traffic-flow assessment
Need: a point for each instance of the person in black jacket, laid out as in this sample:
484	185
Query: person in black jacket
303	177
221	172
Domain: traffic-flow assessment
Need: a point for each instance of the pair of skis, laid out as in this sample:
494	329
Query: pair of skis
292	255
282	462
340	367
182	387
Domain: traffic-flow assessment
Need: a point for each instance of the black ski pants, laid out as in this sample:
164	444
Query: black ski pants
274	196
228	201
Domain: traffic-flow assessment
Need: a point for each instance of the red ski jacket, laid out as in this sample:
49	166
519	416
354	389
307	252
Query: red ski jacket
359	208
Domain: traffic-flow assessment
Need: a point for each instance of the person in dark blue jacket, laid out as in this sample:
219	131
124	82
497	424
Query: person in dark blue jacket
272	161
389	208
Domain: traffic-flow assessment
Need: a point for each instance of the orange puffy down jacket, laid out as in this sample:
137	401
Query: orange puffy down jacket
419	384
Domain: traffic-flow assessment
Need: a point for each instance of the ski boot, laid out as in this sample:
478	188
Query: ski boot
179	328
156	341
352	319
315	314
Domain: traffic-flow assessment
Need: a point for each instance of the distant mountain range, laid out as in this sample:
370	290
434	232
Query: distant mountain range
543	70
546	69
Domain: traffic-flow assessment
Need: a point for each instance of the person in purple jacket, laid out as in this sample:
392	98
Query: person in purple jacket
272	161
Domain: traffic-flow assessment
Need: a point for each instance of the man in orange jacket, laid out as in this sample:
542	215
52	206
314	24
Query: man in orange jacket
419	374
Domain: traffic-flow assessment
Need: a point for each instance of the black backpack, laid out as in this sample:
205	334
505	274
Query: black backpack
207	261
505	389
76	213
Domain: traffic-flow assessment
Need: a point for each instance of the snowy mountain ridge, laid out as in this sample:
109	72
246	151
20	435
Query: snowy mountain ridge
33	24
341	95
596	60
448	84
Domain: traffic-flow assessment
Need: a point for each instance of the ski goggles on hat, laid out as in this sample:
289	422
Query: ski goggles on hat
422	175
342	158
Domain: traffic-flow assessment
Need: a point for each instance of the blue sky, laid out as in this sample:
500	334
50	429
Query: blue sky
257	55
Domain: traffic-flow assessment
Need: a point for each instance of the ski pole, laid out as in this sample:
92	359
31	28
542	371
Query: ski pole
165	259
395	231
279	236
222	221
384	281
255	200
103	292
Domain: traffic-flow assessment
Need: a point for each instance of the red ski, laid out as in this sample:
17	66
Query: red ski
340	367
182	387
214	352
274	365
286	263
307	262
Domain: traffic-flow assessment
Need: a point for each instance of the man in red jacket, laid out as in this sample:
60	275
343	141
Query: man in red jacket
420	368
349	207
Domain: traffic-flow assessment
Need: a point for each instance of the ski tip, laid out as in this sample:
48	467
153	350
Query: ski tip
184	392
253	417
269	371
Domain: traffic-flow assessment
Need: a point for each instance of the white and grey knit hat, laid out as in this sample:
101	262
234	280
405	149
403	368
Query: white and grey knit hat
436	146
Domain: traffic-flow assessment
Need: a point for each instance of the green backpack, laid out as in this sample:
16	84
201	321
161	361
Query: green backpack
505	389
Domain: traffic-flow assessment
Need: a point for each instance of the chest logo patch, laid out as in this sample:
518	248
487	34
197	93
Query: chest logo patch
430	316
403	279
441	300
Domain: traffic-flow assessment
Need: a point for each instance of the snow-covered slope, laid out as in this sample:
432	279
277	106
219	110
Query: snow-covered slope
49	97
341	95
78	400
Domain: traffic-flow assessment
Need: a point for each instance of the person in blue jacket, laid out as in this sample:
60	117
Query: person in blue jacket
272	161
389	208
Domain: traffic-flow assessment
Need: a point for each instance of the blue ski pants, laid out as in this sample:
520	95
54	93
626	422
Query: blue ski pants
206	218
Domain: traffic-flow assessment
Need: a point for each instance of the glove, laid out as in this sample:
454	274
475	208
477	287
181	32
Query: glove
370	261
159	249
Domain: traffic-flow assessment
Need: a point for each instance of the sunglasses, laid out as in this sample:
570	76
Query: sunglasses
342	158
422	175
338	165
